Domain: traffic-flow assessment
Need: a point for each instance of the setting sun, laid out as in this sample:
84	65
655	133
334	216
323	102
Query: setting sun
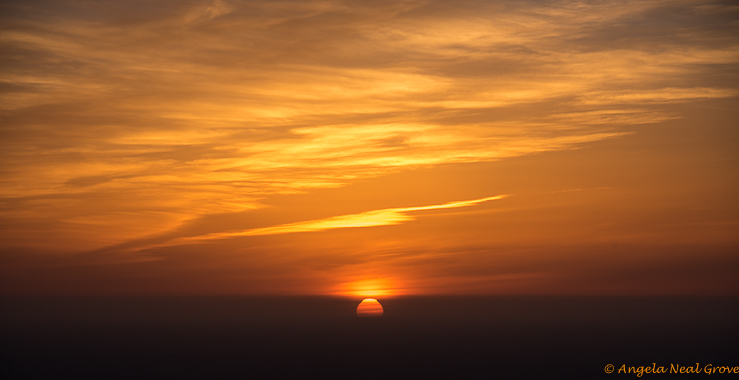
369	307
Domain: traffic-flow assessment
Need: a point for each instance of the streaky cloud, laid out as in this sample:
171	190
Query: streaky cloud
374	218
126	120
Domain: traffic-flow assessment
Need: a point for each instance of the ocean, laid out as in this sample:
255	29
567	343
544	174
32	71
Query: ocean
454	337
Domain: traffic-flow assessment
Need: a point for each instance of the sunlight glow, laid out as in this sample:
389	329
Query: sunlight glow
369	288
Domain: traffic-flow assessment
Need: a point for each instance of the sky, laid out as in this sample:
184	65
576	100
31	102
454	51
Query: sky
371	149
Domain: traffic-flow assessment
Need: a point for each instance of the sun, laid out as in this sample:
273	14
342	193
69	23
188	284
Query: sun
369	307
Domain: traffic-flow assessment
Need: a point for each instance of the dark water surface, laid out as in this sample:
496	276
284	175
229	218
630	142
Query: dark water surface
315	337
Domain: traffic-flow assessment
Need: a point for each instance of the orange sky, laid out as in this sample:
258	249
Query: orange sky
369	148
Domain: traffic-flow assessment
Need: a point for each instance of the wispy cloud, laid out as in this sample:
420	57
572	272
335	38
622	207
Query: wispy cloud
374	218
121	120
